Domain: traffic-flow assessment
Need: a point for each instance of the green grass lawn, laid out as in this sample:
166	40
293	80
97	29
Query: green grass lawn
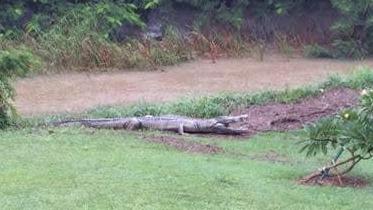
74	168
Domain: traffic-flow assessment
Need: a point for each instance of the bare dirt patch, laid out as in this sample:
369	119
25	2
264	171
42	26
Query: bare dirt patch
343	181
182	144
75	92
283	117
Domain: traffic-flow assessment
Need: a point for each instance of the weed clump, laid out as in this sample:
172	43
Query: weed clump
317	51
12	63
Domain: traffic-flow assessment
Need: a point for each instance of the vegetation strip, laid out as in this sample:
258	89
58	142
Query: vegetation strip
94	35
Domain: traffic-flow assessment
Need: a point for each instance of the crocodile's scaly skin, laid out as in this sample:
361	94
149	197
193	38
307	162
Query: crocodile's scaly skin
166	123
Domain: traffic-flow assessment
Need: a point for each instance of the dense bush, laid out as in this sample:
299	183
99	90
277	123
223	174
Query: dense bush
80	36
354	30
83	33
38	15
12	63
317	51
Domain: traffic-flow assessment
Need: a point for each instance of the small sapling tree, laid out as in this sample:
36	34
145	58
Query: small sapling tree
350	134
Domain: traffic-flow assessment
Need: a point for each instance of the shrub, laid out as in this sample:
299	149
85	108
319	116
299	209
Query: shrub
81	36
12	63
351	133
316	51
349	49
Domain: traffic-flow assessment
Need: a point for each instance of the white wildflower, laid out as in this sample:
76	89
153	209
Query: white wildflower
346	115
364	92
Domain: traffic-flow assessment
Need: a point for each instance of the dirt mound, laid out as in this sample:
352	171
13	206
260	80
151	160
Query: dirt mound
344	181
184	145
283	117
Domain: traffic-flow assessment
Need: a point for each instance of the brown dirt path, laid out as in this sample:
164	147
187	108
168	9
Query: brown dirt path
78	91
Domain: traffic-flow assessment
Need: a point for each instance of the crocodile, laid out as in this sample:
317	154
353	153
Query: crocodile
179	124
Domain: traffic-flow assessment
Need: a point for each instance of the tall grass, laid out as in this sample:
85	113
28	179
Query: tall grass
77	41
81	51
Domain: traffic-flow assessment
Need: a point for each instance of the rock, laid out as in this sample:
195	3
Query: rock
154	29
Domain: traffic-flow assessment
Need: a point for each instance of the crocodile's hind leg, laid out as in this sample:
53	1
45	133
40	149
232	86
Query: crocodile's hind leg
180	130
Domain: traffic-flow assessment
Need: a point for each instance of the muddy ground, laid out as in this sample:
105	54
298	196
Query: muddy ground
74	92
284	117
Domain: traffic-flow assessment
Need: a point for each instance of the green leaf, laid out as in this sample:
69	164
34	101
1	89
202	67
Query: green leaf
151	4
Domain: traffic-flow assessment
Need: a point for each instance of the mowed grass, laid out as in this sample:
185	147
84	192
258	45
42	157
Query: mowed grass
71	168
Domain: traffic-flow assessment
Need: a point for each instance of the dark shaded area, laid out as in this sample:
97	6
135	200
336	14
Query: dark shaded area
309	23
